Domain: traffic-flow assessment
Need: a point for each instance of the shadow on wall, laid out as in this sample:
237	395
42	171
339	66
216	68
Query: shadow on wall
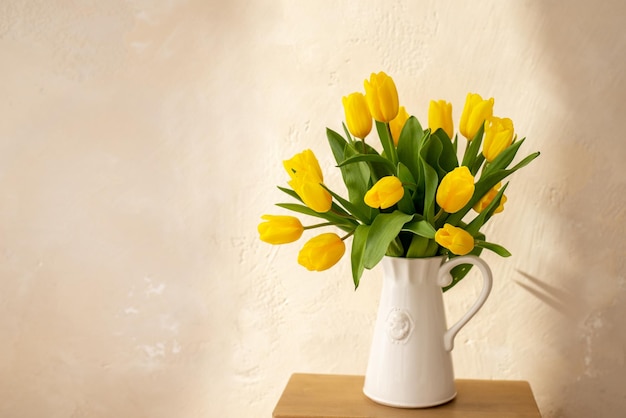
584	46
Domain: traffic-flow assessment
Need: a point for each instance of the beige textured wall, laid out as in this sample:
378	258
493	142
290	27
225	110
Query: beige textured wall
140	142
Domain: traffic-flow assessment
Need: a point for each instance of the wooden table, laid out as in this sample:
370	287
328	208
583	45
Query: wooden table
338	396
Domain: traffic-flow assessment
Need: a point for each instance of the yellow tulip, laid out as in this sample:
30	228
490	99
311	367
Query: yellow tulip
440	116
278	229
488	198
475	113
382	97
397	124
304	163
455	239
498	137
322	252
385	193
306	181
358	116
456	189
312	193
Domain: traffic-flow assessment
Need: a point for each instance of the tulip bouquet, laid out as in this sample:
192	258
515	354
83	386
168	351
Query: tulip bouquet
414	198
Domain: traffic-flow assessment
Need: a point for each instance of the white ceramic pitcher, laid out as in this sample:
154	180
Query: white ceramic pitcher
410	365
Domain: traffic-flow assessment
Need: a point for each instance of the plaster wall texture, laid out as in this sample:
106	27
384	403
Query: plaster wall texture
141	141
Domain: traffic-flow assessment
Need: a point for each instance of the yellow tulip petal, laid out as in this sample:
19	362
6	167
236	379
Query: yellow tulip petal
475	112
382	97
455	190
385	193
498	137
440	117
322	252
397	124
278	229
358	117
455	239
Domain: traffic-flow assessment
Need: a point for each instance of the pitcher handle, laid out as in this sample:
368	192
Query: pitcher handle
445	279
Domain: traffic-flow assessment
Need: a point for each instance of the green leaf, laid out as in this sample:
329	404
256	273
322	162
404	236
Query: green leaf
447	160
477	223
290	192
377	170
356	176
422	228
472	150
437	158
430	176
336	208
406	203
504	158
485	184
384	229
409	145
525	161
480	159
387	141
374	158
431	153
405	176
395	248
337	144
347	132
359	240
422	247
355	210
431	182
305	210
344	224
498	249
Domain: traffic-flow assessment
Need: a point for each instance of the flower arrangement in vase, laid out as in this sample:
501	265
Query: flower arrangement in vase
415	198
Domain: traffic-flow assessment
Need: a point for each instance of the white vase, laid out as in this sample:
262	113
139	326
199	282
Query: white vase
410	365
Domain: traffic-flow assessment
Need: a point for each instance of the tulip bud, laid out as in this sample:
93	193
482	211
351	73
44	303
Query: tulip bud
498	137
475	113
488	198
280	229
322	252
312	193
455	239
306	181
382	97
304	163
358	117
397	124
455	190
385	193
440	116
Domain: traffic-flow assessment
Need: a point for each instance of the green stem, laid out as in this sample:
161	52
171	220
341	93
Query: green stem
319	225
438	215
484	168
343	215
392	147
466	152
348	235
